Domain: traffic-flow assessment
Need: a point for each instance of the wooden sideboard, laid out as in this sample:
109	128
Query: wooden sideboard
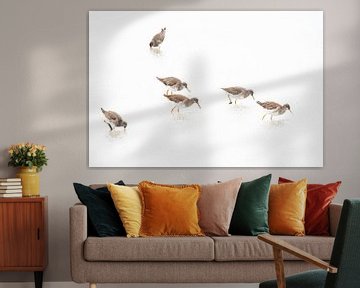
23	235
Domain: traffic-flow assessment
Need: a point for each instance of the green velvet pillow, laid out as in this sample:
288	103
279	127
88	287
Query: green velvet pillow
250	216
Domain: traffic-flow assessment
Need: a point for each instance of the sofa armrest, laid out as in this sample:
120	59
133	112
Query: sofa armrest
334	217
78	235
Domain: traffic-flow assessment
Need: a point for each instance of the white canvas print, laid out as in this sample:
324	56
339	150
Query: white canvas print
206	89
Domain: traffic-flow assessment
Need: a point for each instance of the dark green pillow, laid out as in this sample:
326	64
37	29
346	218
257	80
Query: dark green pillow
103	218
250	216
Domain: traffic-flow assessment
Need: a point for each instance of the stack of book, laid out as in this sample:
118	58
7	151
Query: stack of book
10	187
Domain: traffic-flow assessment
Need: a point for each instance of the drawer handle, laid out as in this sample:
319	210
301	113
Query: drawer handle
38	234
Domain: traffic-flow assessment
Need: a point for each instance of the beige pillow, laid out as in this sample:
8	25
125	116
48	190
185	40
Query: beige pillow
216	206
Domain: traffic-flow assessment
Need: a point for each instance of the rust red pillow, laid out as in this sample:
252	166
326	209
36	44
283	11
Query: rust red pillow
319	197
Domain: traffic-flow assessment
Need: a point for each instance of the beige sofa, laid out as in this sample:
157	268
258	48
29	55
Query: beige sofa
234	259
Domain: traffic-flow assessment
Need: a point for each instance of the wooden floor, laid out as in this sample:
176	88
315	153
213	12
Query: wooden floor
74	285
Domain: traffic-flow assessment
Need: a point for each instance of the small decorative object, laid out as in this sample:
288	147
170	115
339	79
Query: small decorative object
30	158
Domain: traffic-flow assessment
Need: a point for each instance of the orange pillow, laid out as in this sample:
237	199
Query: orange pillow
318	200
169	210
287	204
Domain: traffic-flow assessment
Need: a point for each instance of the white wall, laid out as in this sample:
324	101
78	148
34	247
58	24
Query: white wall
44	98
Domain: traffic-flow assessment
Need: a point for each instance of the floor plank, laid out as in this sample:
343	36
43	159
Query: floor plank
74	285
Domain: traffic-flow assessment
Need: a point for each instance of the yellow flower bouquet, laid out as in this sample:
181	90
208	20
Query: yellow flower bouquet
27	155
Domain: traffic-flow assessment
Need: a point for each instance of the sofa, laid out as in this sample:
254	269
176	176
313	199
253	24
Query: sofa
233	259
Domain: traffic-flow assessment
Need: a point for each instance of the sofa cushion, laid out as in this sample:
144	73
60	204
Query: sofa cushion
287	204
250	215
102	216
149	249
169	210
244	248
318	199
216	205
127	201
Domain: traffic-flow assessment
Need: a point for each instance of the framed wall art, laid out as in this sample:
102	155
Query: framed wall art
206	89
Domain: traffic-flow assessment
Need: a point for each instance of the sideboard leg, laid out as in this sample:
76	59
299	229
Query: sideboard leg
92	285
38	279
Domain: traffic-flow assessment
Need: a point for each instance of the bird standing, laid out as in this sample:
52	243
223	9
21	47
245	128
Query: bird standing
173	83
113	118
274	108
238	93
158	39
182	101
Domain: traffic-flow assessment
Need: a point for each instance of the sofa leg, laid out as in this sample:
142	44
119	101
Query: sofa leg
92	285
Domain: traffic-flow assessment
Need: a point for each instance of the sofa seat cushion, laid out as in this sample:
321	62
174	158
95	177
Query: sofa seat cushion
244	248
149	249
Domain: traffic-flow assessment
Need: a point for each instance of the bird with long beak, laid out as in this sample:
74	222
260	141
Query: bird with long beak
274	109
158	39
238	93
113	119
181	101
173	84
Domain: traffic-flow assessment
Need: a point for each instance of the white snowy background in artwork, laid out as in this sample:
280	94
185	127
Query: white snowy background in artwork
278	54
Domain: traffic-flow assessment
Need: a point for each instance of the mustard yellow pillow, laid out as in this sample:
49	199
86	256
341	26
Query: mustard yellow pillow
169	210
127	201
287	204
